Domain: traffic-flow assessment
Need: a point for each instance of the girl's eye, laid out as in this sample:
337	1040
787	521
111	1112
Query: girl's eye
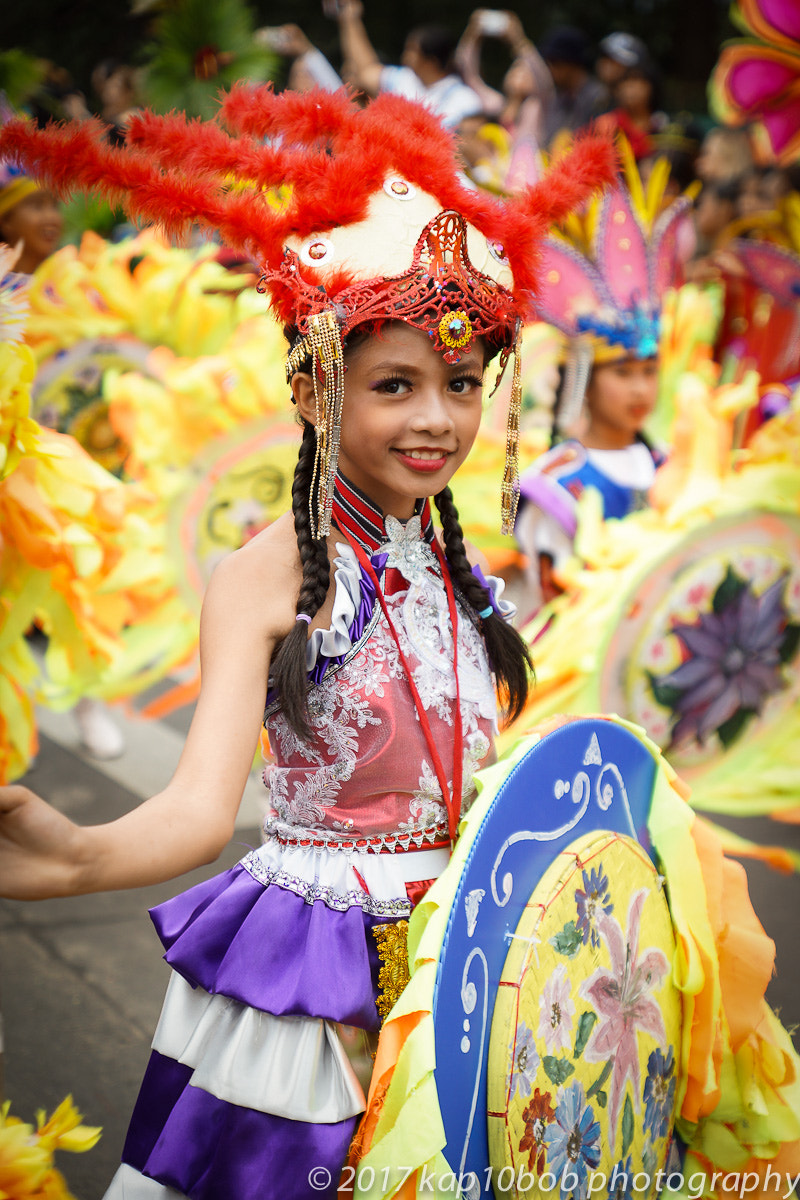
465	383
393	386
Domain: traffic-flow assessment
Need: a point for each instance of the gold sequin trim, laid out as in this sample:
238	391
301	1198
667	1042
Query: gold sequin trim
392	943
455	329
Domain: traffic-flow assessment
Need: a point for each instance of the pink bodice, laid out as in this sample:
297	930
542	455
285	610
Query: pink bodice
367	773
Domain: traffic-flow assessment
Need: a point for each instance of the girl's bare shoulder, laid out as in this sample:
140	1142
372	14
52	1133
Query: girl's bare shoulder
259	582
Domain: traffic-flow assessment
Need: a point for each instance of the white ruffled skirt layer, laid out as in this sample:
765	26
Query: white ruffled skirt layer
249	1090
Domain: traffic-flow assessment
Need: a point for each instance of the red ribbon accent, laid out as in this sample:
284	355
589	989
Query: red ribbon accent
451	797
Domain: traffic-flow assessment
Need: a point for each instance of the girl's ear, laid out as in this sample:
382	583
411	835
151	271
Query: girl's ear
303	392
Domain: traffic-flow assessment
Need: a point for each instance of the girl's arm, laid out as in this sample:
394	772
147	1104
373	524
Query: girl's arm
468	60
248	607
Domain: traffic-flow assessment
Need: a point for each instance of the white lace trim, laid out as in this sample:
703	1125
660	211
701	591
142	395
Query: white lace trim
330	896
336	641
373	882
322	841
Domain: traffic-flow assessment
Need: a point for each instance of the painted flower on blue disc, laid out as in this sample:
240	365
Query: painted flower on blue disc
537	1116
620	1180
525	1062
623	995
592	900
734	658
573	1141
659	1092
556	1010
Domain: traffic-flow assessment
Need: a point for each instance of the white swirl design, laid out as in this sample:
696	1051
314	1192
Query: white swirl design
469	1000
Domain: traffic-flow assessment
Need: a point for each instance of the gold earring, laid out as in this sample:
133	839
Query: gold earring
509	490
327	360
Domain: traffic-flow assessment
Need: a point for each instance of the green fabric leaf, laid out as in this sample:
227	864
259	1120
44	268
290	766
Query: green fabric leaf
664	693
728	591
730	730
568	940
791	640
627	1125
585	1026
557	1070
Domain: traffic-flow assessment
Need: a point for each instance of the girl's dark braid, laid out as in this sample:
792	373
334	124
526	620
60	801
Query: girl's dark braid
557	403
289	669
509	655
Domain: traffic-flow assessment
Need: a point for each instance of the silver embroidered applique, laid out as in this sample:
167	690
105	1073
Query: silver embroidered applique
406	550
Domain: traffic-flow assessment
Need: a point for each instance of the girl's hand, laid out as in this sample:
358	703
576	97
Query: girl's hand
37	847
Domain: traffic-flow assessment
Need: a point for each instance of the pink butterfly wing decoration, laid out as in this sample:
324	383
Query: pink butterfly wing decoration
621	251
775	21
759	82
570	286
782	129
669	245
757	76
772	268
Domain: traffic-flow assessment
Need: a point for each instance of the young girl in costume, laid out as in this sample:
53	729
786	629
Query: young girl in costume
605	280
369	635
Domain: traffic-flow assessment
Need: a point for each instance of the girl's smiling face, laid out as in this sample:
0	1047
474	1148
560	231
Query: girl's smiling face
408	418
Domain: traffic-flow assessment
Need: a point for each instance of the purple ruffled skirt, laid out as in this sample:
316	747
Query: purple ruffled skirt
248	1090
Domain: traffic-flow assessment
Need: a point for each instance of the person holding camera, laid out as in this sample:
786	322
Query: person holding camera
426	73
527	84
527	92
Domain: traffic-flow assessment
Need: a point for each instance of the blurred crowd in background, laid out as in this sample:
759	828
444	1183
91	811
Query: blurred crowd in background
549	90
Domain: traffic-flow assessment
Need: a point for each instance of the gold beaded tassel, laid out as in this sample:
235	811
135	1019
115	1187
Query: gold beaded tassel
509	491
327	358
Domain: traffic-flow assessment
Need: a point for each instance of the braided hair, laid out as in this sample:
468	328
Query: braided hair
509	655
289	667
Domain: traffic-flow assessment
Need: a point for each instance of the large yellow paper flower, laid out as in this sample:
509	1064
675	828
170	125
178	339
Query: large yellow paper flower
26	1153
85	557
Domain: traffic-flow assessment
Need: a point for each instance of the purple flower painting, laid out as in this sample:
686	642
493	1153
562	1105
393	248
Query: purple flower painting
734	659
592	900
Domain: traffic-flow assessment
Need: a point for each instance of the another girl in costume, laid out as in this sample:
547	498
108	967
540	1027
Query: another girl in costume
604	285
30	217
369	636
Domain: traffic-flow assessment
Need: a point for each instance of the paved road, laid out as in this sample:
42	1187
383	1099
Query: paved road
82	979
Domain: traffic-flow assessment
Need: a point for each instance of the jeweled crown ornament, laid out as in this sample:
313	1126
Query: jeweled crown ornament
355	214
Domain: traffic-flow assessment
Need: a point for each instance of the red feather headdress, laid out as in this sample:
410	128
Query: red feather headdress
354	214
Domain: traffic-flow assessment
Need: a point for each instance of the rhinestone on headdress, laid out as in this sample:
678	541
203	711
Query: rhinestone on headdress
455	330
399	189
